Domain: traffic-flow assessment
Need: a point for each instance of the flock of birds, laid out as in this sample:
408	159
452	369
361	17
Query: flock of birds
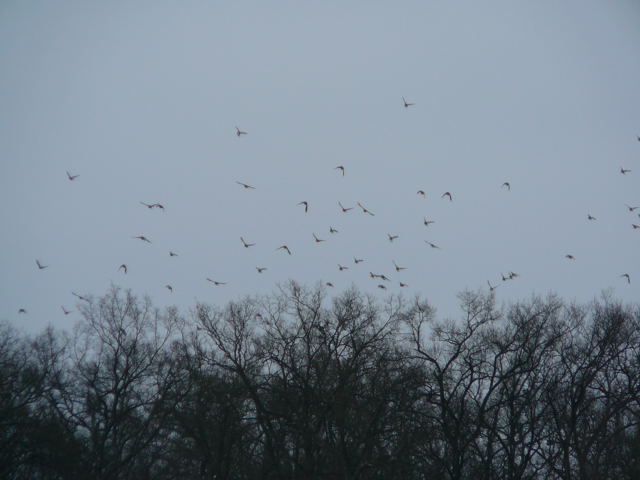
123	268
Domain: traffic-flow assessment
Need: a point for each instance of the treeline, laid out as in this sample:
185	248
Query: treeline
296	385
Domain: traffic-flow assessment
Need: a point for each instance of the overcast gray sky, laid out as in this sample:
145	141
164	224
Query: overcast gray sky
141	99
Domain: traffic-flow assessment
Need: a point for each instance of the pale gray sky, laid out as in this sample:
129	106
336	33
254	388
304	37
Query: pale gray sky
141	100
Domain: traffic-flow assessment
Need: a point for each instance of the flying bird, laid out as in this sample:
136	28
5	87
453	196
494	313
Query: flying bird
364	210
491	287
357	260
22	310
447	194
623	171
382	287
341	168
432	245
384	277
169	287
421	192
507	185
66	312
635	227
284	247
590	217
345	210
216	283
306	205
240	132
332	230
158	205
397	267
245	185
148	205
143	238
404	284
329	284
407	105
569	257
428	222
631	209
80	297
513	275
246	245
172	254
123	267
261	269
72	177
626	275
341	268
318	240
392	237
41	266
373	275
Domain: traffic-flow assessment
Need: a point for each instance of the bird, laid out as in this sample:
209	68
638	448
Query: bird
246	185
491	287
384	277
373	275
569	257
261	269
284	247
421	192
407	105
306	205
397	267
216	283
72	177
41	266
240	132
169	287
246	245
626	275
148	205
332	230
513	275
341	168
123	267
624	171
172	254
341	267
80	297
635	227
158	205
66	312
382	287
404	284
428	222
143	238
22	310
318	240
507	184
630	208
345	209
392	237
447	194
590	217
364	210
329	284
504	279
358	260
432	245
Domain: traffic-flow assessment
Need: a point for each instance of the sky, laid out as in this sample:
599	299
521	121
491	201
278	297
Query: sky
142	99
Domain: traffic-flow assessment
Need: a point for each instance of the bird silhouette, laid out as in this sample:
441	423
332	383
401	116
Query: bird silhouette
428	222
169	287
143	238
358	260
284	247
421	192
569	257
341	267
172	254
72	177
513	275
432	245
332	230
123	267
148	205
626	275
66	312
80	297
507	184
216	283
630	208
392	237
329	284
41	266
22	310
635	227
306	205
447	194
344	209
382	287
245	185
406	105
398	269
341	168
624	171
318	240
384	277
157	205
245	244
240	132
364	210
491	287
261	269
404	284
590	217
